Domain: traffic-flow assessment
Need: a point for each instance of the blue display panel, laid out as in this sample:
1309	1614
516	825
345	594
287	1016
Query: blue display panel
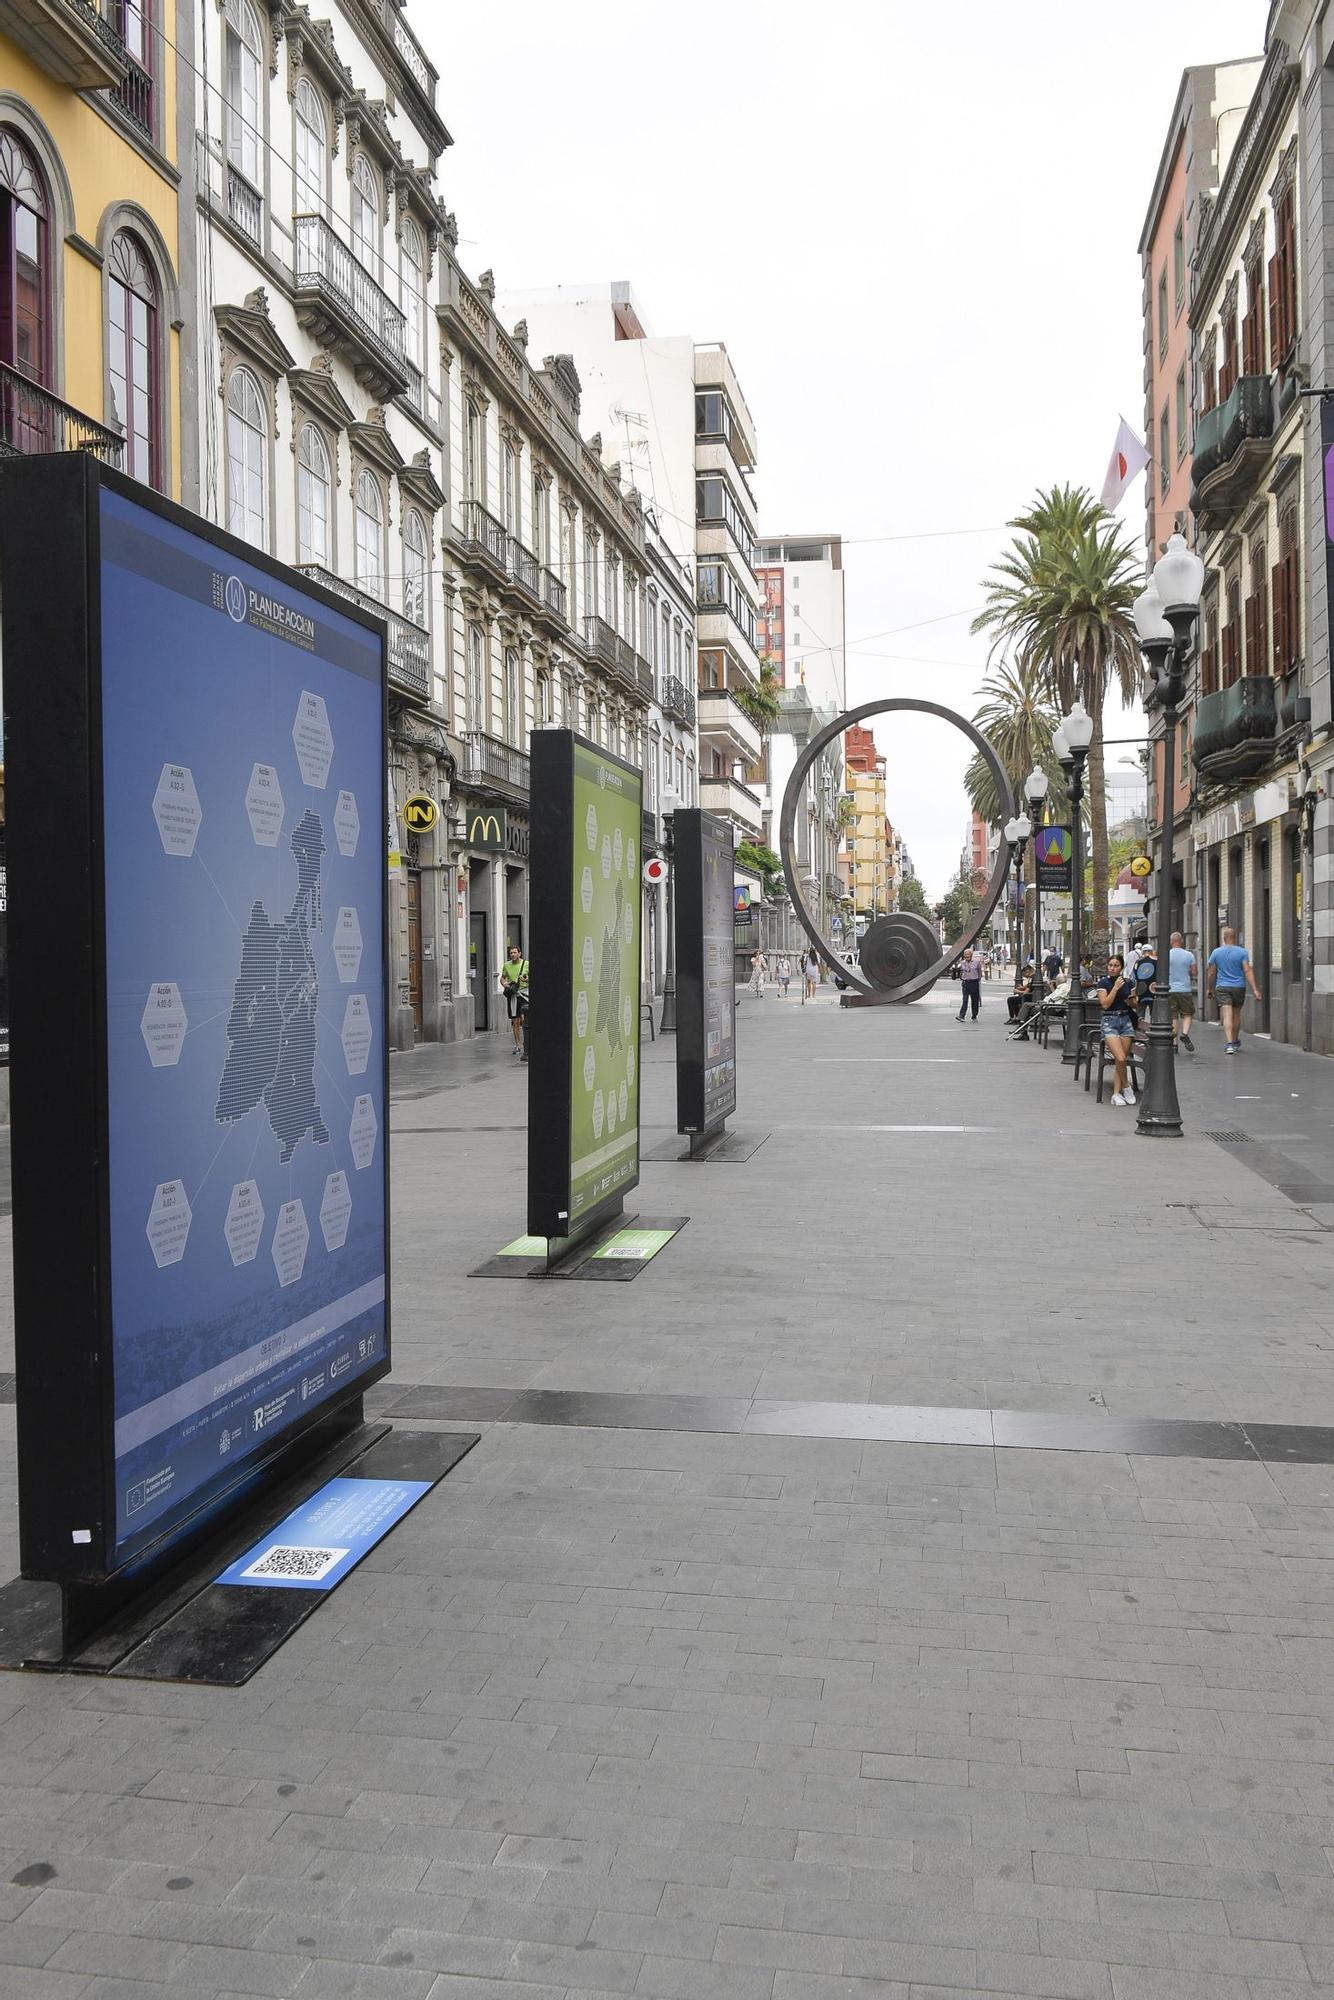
245	883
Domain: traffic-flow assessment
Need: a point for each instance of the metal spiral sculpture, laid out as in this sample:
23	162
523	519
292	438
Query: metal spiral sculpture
900	955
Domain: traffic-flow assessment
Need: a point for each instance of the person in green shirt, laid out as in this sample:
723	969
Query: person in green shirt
514	985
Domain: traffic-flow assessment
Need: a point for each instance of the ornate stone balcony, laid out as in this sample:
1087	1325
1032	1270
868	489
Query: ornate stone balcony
340	302
1235	728
1232	444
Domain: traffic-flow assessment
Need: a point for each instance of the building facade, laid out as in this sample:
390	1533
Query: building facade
1206	121
1251	694
97	240
868	867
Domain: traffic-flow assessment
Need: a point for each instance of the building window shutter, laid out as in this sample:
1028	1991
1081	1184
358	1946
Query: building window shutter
1278	584
1261	627
1292	616
1251	634
1275	310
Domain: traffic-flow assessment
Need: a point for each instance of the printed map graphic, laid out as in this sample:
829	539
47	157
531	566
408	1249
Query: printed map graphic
271	1027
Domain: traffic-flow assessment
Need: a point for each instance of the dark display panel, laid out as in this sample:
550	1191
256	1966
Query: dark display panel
705	977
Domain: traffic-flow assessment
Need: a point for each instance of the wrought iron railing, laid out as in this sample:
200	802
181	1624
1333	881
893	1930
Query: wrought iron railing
134	94
415	393
554	593
677	700
324	263
33	420
487	532
100	17
524	567
608	649
409	643
245	205
490	761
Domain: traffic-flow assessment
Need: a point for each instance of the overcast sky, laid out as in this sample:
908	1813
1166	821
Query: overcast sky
915	228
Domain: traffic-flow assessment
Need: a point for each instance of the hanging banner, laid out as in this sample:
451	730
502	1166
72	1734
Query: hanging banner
705	982
583	1114
1054	850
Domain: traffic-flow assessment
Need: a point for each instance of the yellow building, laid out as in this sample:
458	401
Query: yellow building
870	875
96	235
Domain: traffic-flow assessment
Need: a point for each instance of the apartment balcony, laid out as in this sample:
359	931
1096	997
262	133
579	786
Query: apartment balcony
1232	445
75	41
484	538
1235	728
617	658
245	203
555	597
734	801
494	769
677	701
134	94
524	569
409	643
340	303
723	721
33	420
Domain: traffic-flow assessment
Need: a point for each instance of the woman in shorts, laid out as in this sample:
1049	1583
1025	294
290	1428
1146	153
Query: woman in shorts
1120	1018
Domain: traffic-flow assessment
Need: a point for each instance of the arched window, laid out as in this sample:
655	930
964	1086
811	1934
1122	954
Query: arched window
310	150
544	701
244	69
474	483
247	447
370	535
416	562
366	214
132	355
25	275
314	498
413	290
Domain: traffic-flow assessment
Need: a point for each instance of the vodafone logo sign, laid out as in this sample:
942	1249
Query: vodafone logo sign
655	871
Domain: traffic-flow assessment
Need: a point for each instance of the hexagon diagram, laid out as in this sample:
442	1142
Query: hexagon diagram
586	958
312	739
599	1114
356	1034
591	828
630	859
164	1024
581	1014
617	849
605	857
347	945
611	1112
245	1222
264	805
363	1132
590	1067
335	1211
168	1224
347	824
623	1099
586	890
628	922
290	1239
177	810
627	1017
630	1065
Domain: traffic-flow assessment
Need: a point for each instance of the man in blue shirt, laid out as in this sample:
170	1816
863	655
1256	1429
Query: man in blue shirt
1181	989
1230	973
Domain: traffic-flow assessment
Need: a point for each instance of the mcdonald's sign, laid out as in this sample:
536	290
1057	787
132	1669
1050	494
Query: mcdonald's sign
486	829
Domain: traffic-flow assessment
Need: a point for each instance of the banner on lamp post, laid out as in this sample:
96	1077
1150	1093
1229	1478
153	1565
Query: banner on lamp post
1054	849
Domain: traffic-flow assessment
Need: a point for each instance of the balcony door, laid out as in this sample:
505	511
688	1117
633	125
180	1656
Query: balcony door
25	298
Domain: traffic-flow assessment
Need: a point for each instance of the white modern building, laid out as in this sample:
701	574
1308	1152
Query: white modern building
671	416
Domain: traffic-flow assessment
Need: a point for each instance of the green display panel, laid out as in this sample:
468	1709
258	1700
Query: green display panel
583	1130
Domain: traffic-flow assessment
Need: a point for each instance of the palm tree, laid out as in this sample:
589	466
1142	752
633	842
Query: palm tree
761	704
1018	716
1061	597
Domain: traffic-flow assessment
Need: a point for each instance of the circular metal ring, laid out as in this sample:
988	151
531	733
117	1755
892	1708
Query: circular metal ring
868	991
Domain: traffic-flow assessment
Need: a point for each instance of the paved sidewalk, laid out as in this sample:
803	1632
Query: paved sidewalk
682	1712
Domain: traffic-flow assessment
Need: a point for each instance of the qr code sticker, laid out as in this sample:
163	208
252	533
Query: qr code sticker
282	1564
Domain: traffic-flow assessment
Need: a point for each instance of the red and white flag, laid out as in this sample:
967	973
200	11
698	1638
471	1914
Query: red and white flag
1129	458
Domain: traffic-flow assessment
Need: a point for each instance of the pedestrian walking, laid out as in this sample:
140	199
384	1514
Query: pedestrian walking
810	975
1230	973
514	986
970	983
1181	990
759	967
1120	1018
784	976
1053	965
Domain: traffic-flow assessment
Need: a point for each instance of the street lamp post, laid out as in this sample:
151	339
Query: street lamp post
667	1025
1035	791
1071	743
1016	833
1166	614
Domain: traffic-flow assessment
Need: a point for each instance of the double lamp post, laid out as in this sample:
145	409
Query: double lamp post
1166	615
1071	743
